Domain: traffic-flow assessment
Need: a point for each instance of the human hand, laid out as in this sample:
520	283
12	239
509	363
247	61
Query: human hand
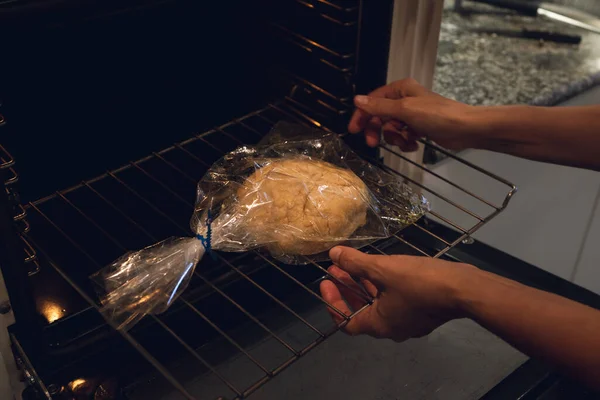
405	111
413	295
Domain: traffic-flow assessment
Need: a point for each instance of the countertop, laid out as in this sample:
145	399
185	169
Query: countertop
484	69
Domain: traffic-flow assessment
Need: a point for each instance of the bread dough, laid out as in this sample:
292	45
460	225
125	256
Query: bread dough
301	206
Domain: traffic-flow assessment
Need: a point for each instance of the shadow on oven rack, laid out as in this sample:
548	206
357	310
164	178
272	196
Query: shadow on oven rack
241	312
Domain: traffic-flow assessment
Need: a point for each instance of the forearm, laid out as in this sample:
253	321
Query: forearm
562	135
540	324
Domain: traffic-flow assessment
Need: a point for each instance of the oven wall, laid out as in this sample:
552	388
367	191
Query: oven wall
95	91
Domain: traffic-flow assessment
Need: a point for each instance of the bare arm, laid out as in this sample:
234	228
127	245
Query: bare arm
415	295
562	135
404	110
540	324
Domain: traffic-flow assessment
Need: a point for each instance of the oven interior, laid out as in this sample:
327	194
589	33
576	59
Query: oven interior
87	88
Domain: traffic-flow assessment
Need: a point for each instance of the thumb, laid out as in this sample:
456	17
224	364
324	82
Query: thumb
358	264
380	107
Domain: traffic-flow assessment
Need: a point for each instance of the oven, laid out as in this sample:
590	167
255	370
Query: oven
111	111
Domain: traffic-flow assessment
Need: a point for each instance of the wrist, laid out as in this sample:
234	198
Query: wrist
502	128
474	290
486	126
459	288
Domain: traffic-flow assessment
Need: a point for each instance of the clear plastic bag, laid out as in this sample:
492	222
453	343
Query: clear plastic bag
296	194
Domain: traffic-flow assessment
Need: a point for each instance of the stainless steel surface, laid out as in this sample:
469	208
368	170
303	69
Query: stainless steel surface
570	16
317	333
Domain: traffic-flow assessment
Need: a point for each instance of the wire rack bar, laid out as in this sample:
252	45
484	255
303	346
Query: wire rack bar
361	293
513	188
22	213
14	178
249	315
274	298
227	337
432	234
328	17
284	272
412	246
6	160
434	192
378	250
197	356
444	179
344	8
312	43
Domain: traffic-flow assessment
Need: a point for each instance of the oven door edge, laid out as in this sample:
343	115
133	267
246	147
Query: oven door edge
414	42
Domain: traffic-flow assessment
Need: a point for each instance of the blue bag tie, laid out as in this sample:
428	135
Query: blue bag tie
205	240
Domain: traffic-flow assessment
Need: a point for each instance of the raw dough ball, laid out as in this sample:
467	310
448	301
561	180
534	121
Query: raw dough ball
301	207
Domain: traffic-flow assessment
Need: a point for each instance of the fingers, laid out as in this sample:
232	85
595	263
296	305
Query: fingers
362	323
359	264
359	121
332	295
360	118
400	138
393	91
369	287
351	291
380	107
373	131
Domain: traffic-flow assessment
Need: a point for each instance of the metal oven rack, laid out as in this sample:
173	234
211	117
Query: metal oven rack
80	229
10	179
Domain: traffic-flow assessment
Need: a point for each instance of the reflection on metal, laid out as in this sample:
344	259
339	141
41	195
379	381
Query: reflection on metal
312	42
570	16
468	240
52	311
6	160
14	178
76	384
